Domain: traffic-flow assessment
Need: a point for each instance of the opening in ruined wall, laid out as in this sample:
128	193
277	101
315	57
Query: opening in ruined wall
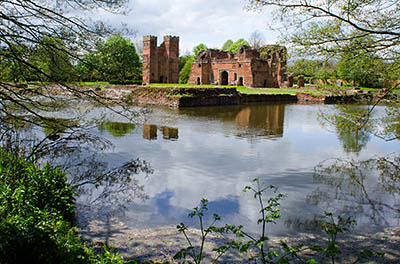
240	82
162	79
212	78
235	76
224	78
198	81
265	83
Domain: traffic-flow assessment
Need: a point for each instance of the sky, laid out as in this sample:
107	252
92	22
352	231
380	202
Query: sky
210	22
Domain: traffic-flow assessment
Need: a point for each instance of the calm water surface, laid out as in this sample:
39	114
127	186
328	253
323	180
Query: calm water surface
214	152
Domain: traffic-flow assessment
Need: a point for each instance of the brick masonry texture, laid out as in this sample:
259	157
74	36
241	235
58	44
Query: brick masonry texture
264	67
160	64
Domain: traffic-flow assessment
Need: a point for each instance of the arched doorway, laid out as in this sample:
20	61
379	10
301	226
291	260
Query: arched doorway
224	78
198	81
161	79
240	82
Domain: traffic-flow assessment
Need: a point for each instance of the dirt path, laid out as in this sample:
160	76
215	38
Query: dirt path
162	243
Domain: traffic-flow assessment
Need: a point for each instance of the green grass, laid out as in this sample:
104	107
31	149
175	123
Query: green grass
92	83
245	90
242	89
190	85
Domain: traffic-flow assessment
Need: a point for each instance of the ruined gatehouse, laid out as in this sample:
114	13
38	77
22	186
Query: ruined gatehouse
264	67
160	64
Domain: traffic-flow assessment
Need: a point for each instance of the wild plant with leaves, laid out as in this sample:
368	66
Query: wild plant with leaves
255	247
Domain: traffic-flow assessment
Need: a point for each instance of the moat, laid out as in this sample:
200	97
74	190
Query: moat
213	152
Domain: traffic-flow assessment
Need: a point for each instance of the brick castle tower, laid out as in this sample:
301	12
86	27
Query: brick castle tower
160	64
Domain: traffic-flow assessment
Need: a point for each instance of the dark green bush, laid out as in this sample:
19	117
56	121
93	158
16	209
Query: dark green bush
36	212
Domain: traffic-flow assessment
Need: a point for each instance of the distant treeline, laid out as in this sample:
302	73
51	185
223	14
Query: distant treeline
115	60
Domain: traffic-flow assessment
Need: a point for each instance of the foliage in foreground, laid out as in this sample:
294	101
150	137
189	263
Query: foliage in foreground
36	215
256	247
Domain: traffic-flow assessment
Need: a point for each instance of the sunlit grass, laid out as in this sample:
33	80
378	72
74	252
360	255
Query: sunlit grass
92	83
293	91
190	85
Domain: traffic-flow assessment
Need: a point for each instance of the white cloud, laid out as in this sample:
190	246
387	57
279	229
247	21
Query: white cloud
195	21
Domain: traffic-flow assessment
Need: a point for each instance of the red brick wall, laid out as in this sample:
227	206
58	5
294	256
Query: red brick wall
256	70
160	64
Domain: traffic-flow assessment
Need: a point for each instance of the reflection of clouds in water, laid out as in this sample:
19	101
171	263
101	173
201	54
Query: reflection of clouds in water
208	161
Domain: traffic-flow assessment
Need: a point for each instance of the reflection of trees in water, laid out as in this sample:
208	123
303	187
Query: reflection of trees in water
78	152
296	223
348	121
389	125
368	189
116	129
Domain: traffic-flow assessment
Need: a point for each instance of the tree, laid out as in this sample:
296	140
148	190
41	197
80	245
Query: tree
48	26
119	60
50	61
11	69
183	59
199	48
305	67
89	68
361	69
237	44
114	60
185	72
256	39
329	26
226	45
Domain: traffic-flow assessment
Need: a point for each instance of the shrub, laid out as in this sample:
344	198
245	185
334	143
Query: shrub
36	212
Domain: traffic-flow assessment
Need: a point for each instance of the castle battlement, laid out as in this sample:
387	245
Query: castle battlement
160	63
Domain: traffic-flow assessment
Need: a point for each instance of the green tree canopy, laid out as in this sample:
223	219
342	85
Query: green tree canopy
114	60
185	72
237	44
226	45
183	59
305	67
40	40
199	48
119	60
51	61
363	69
321	27
10	67
321	69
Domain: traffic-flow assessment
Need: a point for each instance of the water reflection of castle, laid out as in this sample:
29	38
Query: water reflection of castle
261	121
150	132
251	121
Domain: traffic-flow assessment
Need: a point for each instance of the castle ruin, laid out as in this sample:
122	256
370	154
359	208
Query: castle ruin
160	64
264	67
